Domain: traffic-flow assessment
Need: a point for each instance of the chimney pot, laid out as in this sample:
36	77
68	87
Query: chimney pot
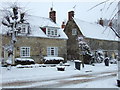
52	15
101	21
70	15
110	24
63	25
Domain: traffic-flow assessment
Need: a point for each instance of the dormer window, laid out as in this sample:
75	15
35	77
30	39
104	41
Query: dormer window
23	28
52	32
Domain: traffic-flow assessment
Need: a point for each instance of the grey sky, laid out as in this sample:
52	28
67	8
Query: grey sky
81	10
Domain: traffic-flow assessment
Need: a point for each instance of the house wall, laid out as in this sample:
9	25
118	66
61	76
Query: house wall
109	47
38	44
102	44
72	44
95	44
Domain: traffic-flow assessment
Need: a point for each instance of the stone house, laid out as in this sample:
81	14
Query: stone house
98	37
39	37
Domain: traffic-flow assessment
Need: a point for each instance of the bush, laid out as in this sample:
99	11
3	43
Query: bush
87	59
24	61
52	61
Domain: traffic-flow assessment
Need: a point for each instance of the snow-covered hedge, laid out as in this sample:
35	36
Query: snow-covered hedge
52	60
24	61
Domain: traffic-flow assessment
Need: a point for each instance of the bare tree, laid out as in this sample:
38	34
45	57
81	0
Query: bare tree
105	8
118	31
12	16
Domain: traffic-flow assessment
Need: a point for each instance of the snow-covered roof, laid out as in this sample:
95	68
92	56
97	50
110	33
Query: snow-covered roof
41	21
95	31
37	32
35	24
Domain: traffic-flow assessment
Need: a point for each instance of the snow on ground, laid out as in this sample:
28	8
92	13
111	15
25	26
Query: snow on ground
103	83
0	77
50	74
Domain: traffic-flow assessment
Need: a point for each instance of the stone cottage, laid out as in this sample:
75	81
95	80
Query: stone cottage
39	37
97	36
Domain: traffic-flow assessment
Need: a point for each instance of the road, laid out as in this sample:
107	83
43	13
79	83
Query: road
61	81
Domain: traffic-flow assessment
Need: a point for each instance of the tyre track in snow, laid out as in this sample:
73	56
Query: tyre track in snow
61	81
77	81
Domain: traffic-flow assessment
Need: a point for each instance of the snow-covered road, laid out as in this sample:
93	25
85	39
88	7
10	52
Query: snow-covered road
61	82
98	76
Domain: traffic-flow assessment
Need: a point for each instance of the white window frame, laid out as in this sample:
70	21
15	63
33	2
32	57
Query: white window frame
54	49
24	28
74	31
26	53
52	31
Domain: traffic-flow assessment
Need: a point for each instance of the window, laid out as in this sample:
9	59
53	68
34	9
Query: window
52	51
48	31
52	32
56	32
23	28
74	31
25	52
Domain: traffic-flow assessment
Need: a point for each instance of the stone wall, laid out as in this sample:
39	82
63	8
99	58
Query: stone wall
109	47
102	44
72	44
38	44
95	44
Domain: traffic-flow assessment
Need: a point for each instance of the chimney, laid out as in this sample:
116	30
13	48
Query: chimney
63	25
52	15
101	22
70	15
110	24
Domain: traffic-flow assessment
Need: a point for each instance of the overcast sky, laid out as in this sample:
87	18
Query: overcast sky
42	8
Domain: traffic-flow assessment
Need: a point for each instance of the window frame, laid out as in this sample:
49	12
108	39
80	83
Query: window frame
52	51
26	53
52	32
24	28
74	31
